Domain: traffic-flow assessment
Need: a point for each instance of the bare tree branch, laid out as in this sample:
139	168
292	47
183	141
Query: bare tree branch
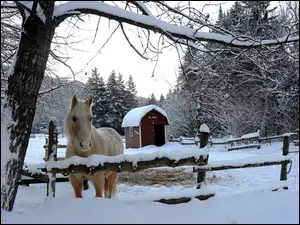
151	23
131	45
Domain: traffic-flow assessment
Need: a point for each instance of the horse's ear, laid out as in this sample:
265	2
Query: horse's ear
74	101
89	100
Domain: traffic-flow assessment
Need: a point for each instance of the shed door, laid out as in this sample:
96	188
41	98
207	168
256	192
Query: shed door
159	135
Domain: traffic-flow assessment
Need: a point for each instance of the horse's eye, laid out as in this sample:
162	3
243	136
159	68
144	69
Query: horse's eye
74	118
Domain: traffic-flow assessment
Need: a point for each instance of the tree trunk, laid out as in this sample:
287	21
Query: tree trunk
263	130
20	99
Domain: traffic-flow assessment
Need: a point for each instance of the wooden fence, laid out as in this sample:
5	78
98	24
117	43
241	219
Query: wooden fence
200	163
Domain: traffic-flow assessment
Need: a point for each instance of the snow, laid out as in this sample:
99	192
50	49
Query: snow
166	27
204	128
7	123
241	195
267	207
186	141
34	168
95	160
289	134
40	13
133	117
144	7
251	135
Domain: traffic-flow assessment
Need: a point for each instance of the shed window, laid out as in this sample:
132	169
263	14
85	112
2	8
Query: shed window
130	131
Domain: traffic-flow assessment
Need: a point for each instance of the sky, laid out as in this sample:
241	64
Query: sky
117	54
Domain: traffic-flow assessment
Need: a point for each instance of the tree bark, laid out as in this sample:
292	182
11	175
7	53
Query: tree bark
21	96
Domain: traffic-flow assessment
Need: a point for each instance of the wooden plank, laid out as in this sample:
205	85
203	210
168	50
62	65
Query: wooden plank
58	146
127	165
226	167
270	138
188	143
220	143
243	139
244	147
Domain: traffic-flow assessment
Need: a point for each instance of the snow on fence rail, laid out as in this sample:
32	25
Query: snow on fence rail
251	137
256	161
132	163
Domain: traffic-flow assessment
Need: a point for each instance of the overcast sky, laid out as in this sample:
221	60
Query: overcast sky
119	56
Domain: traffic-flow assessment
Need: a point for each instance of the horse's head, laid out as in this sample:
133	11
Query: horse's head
79	123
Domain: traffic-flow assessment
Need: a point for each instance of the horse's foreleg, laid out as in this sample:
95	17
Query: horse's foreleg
112	184
98	181
77	185
106	192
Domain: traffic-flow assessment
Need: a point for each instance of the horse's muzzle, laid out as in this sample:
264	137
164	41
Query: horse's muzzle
81	145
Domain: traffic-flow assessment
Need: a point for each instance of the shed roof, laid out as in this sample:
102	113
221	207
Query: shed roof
133	117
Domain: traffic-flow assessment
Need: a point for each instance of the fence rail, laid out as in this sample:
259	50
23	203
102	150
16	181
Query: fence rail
125	165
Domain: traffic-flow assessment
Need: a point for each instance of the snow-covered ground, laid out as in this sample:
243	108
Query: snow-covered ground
238	197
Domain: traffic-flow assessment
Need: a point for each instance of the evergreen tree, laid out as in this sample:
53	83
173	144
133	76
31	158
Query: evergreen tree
115	109
97	88
131	97
152	100
169	94
161	100
122	94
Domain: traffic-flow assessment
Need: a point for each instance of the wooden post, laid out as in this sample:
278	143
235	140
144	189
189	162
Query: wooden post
46	149
52	155
285	151
203	137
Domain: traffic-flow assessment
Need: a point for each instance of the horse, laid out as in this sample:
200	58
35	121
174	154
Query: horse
83	140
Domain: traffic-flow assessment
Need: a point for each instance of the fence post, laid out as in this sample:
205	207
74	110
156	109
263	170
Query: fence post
52	155
203	137
285	151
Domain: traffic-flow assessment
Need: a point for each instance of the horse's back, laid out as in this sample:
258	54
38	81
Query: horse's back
109	140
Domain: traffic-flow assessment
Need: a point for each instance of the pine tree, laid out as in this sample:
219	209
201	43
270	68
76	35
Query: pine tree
169	94
152	100
97	88
131	97
115	109
122	94
161	100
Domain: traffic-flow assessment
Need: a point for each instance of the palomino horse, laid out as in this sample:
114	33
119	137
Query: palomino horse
84	140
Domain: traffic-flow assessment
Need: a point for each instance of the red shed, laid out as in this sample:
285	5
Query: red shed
145	126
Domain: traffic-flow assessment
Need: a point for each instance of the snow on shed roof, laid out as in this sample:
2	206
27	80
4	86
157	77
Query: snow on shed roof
133	117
